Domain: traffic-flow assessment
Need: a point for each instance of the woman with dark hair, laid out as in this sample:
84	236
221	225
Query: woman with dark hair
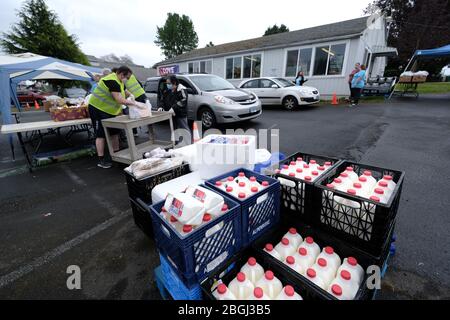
177	100
300	80
358	83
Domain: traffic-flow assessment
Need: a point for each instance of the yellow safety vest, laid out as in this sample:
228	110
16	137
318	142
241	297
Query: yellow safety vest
102	98
134	87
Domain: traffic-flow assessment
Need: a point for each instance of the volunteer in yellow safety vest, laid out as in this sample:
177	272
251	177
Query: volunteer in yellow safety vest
106	102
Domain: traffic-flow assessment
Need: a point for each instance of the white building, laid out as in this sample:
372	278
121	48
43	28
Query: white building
326	54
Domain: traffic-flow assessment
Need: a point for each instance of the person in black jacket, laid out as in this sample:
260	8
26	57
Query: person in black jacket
177	101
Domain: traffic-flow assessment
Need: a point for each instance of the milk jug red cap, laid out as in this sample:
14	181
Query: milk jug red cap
265	183
375	198
269	275
285	167
187	228
337	180
163	209
269	247
299	159
351	191
315	173
242	184
255	189
349	169
218	183
299	170
322	262
258	293
292	174
293	163
344	175
311	273
313	162
225	208
290	260
328	163
293	231
321	168
173	219
277	171
303	252
289	291
379	191
252	261
308	178
253	179
337	290
346	275
368	173
388	178
222	289
306	166
242	195
362	179
285	241
331	186
383	184
357	185
352	261
229	189
241	174
309	240
207	217
230	179
240	277
329	250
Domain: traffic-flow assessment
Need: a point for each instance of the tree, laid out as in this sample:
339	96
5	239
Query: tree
210	44
126	59
416	24
177	36
276	29
39	31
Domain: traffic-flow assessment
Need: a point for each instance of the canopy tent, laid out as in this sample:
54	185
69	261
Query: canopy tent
429	53
28	66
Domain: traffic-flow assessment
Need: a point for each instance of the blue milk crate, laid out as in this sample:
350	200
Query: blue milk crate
175	286
259	212
196	255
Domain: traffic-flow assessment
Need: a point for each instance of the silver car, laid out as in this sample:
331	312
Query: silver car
212	99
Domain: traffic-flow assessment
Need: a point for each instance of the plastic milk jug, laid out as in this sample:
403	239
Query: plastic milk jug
285	170
390	182
379	192
241	287
270	250
212	201
304	259
336	291
270	284
313	165
311	275
365	186
185	209
352	174
288	293
223	293
356	271
370	179
385	186
242	178
252	270
258	294
349	288
346	181
312	247
351	203
331	257
294	237
325	271
300	163
221	185
292	263
187	229
285	248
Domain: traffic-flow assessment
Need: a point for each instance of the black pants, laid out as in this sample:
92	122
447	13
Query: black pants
356	95
182	123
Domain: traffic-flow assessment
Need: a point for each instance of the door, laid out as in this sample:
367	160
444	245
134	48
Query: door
151	92
267	93
192	100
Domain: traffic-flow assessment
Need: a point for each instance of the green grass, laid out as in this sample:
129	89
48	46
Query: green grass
431	87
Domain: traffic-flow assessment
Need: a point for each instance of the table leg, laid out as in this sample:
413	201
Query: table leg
109	142
172	133
132	144
24	150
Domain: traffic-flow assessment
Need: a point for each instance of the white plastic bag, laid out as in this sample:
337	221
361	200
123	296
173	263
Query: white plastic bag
140	110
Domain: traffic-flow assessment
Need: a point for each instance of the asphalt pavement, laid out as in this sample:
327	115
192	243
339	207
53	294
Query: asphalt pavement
74	213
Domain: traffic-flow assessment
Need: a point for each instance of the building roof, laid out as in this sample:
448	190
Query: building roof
333	30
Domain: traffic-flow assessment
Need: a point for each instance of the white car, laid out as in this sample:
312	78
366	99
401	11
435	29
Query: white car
280	91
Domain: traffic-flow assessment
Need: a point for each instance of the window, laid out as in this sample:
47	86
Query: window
248	66
298	60
266	84
151	86
204	66
251	84
329	60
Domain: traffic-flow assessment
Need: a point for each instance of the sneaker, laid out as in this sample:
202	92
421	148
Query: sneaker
104	164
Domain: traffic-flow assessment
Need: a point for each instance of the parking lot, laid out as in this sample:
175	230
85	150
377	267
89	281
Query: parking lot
76	214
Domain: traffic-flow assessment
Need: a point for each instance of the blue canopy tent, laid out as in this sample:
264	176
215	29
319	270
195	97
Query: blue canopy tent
28	66
429	53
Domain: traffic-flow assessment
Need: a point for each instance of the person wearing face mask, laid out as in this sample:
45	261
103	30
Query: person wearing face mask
106	102
176	101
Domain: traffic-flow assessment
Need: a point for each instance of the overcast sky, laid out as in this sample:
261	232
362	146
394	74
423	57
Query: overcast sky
129	27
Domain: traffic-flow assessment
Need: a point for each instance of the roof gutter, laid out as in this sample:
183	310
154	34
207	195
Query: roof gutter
294	44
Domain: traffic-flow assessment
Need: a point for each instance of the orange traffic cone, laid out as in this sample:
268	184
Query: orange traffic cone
334	102
36	105
195	132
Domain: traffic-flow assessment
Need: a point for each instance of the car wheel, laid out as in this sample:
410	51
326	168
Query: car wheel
290	103
207	117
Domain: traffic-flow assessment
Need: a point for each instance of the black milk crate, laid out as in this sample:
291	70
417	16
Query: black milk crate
230	270
141	217
323	239
298	199
367	227
198	254
261	211
142	188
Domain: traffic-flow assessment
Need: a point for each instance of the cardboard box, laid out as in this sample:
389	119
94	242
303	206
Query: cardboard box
419	79
65	114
